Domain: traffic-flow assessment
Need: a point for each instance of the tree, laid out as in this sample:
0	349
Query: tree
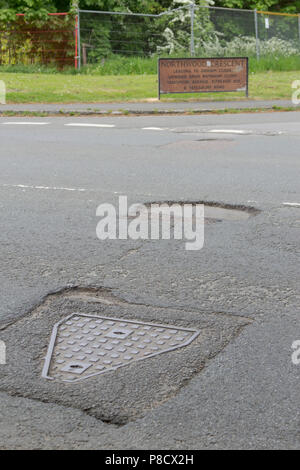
264	5
36	37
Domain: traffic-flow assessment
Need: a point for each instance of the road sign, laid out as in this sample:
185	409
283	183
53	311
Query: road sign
199	75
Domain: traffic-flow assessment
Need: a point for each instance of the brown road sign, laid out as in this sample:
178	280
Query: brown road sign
209	75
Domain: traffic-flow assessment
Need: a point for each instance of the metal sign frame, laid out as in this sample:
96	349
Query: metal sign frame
202	58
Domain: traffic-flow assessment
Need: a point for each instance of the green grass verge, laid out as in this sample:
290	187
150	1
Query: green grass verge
121	65
137	65
127	113
62	88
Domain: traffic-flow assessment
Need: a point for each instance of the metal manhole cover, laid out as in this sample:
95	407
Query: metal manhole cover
83	346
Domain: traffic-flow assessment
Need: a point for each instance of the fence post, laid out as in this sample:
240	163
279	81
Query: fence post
79	42
192	29
256	35
76	42
299	25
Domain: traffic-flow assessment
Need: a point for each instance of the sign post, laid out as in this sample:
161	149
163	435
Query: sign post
198	75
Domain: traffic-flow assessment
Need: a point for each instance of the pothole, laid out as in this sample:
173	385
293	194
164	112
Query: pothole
185	341
213	211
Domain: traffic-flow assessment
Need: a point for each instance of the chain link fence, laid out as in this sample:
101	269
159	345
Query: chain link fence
189	30
93	36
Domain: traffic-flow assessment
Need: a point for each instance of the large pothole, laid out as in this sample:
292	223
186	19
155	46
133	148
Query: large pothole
124	393
213	211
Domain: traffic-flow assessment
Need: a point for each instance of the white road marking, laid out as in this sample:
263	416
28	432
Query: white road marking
82	124
153	129
291	204
228	131
53	188
25	123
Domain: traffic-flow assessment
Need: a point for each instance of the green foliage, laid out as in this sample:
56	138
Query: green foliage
31	8
37	39
177	30
141	6
264	5
103	36
246	46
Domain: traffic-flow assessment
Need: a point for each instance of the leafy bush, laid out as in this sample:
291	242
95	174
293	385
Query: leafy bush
177	31
246	46
47	40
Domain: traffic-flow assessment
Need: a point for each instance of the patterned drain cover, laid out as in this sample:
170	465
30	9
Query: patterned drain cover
82	346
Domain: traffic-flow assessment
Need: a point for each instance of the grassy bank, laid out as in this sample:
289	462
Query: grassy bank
63	88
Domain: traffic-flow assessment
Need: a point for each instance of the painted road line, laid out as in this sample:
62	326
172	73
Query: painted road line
82	124
51	188
153	129
291	204
23	187
228	131
25	123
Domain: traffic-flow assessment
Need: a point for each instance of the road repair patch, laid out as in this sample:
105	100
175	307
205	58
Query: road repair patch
121	394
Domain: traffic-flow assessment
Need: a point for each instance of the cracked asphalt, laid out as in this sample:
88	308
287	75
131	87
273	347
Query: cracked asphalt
236	386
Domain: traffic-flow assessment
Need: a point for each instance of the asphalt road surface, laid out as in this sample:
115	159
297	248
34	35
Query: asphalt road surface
236	386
